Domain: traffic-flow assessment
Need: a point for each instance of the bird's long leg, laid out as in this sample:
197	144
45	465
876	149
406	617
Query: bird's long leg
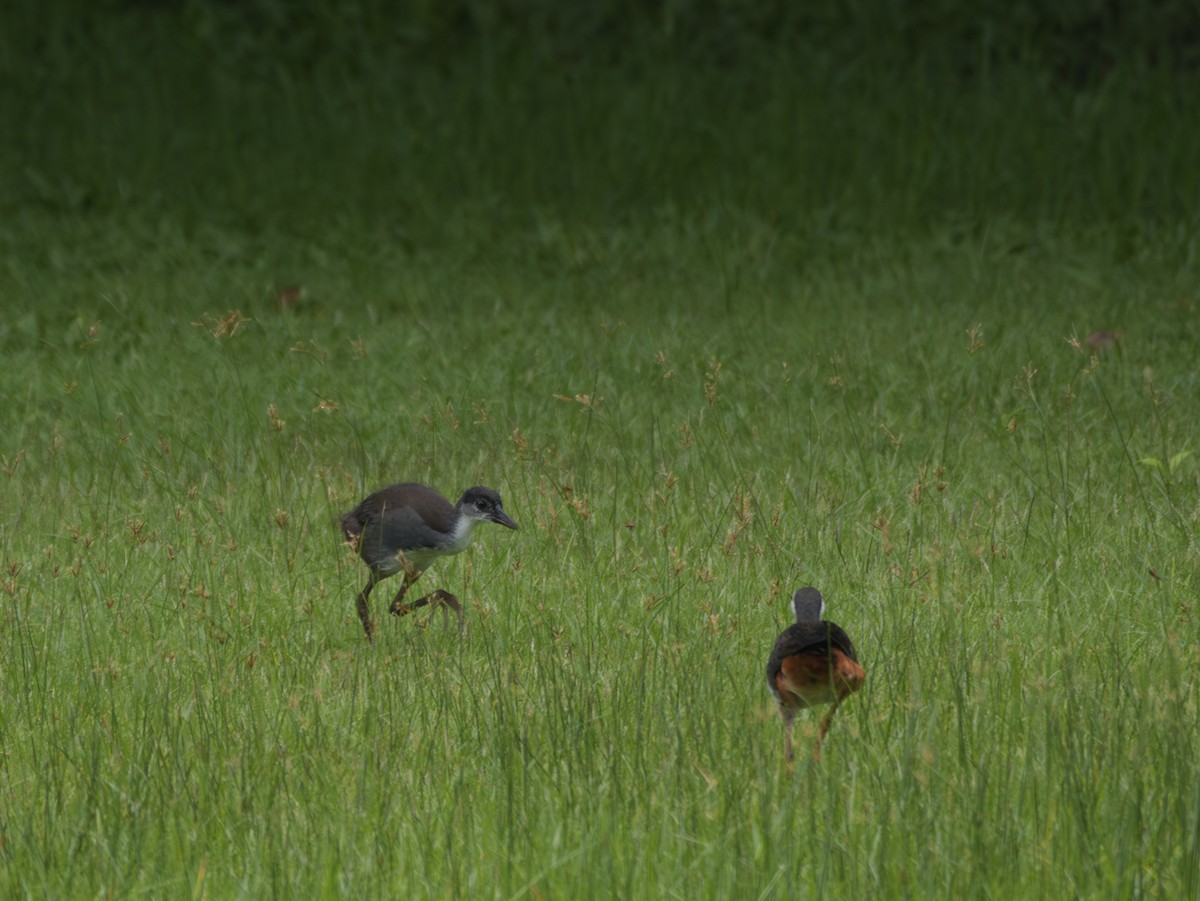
446	599
398	607
440	598
824	728
789	717
364	612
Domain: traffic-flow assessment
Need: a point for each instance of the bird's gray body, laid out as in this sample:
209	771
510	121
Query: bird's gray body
407	522
404	528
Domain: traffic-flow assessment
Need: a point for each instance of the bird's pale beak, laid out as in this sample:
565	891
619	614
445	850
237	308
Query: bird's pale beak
501	518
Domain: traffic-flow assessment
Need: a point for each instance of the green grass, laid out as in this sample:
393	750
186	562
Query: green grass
189	701
697	389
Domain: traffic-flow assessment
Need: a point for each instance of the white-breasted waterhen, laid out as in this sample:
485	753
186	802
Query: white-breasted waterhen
813	662
405	528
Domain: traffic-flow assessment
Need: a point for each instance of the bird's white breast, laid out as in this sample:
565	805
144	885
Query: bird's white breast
420	559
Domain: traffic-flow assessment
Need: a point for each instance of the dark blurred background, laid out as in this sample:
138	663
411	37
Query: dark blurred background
265	113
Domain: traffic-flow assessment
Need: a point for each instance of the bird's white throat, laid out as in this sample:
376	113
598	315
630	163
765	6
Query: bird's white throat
461	536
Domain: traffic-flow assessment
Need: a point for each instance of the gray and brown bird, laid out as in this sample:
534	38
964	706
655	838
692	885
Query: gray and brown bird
813	663
405	528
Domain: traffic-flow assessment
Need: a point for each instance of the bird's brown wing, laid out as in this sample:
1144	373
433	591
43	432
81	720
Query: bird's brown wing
814	639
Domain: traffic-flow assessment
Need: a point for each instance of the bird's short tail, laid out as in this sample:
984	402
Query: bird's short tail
351	525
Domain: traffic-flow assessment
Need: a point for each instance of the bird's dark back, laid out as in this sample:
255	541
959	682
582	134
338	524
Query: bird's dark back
815	639
430	507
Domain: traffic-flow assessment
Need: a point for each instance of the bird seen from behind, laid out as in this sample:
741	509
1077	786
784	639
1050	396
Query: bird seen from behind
813	662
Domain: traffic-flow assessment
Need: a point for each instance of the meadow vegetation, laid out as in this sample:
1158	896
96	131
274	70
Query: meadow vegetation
718	320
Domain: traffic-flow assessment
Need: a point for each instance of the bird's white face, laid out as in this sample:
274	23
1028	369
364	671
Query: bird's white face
480	509
484	506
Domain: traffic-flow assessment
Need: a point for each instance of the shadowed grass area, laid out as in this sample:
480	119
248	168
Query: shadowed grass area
276	119
714	334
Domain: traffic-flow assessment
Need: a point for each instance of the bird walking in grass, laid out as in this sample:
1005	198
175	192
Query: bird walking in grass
405	528
813	662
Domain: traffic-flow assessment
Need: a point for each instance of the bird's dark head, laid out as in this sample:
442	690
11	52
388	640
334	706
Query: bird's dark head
808	604
483	504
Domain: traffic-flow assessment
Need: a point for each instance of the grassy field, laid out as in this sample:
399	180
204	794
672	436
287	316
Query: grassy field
711	343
